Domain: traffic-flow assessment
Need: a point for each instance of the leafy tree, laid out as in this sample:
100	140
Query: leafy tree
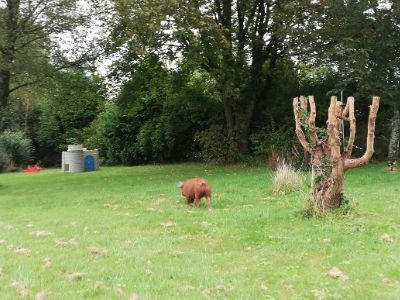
156	115
236	42
69	107
29	50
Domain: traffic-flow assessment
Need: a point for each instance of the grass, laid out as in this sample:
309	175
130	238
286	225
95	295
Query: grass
150	245
287	179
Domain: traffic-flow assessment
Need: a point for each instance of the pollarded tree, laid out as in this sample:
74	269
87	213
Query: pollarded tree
362	40
330	159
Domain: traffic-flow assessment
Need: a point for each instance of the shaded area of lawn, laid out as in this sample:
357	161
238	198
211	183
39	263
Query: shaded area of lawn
252	245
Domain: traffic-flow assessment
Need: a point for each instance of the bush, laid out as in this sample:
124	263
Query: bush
4	160
286	179
214	144
273	143
17	147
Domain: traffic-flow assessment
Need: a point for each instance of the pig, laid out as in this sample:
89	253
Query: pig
194	189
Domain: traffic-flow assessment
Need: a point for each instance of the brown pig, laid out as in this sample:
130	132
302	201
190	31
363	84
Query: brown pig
194	189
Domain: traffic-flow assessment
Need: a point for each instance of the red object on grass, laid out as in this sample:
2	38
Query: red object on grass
32	169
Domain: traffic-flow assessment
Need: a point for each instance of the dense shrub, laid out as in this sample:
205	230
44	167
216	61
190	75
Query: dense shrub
214	144
274	143
16	148
155	116
4	160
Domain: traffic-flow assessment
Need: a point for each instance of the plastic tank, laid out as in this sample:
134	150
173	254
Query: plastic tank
74	160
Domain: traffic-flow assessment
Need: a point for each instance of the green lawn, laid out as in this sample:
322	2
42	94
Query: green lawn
130	235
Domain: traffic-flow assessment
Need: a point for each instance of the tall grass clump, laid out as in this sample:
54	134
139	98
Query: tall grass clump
287	179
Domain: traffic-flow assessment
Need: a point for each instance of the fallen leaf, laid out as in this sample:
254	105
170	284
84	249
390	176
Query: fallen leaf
134	297
72	242
97	250
29	225
46	262
336	273
40	233
22	251
205	224
41	295
112	206
177	253
75	276
119	291
98	284
63	243
263	286
319	295
206	293
2	242
151	209
8	227
189	287
386	238
59	243
168	224
21	287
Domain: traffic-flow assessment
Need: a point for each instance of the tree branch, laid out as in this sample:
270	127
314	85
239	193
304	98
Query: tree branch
311	122
333	132
363	160
299	131
352	120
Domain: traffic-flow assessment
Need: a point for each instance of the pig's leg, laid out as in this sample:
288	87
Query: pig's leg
209	202
197	201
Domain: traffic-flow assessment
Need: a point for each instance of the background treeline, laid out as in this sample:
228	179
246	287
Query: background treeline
193	80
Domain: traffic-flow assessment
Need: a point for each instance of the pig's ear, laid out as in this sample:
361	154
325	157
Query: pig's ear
179	184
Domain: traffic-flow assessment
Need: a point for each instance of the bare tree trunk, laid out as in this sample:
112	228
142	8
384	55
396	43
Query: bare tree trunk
328	163
393	154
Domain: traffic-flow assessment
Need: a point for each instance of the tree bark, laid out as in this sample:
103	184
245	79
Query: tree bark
394	142
328	163
8	50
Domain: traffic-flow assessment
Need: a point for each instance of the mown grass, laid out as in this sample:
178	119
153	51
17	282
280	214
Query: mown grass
252	245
